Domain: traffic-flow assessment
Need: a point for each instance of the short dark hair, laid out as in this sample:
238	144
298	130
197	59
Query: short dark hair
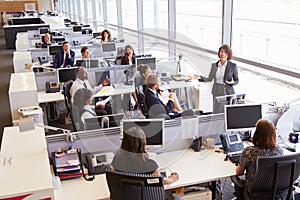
83	49
265	134
65	42
80	97
227	50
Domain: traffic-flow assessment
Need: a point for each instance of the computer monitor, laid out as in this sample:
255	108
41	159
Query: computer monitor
66	74
96	34
101	76
43	31
86	31
150	61
241	117
153	129
77	28
99	122
109	47
53	49
87	63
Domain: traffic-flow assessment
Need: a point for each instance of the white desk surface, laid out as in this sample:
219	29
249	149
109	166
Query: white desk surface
195	167
44	97
192	167
111	91
82	189
28	170
179	84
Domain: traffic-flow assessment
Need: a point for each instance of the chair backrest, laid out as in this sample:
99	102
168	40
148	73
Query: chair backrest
274	176
141	101
76	118
67	95
130	186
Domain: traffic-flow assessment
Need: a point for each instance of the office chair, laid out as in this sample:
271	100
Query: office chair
141	101
118	60
130	186
67	95
76	118
274	178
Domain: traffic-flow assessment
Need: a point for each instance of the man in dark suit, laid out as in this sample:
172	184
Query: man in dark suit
65	57
157	109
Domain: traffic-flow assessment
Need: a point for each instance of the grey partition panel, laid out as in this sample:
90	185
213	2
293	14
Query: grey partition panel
42	77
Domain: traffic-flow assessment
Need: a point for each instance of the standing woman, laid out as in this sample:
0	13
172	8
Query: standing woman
225	76
128	58
105	36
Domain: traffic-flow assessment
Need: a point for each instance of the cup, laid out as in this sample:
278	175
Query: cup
56	182
210	142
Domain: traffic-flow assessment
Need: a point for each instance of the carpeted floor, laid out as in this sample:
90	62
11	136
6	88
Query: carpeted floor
6	68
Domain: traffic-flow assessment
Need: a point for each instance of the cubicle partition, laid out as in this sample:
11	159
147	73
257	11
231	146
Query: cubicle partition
175	138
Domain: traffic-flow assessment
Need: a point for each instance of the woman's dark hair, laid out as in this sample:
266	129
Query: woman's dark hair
83	49
80	98
134	141
227	50
108	35
265	134
126	54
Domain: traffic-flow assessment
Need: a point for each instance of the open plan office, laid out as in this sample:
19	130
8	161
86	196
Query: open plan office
61	156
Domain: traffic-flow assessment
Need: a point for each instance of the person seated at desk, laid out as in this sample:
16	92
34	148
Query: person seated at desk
83	99
133	157
85	52
64	57
155	106
82	82
264	141
46	40
128	57
105	36
145	71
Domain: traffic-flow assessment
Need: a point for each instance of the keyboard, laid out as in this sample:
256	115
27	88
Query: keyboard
101	169
234	158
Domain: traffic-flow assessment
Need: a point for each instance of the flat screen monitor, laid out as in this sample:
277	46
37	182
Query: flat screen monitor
153	129
104	121
66	74
43	31
87	63
77	28
109	47
97	34
150	61
101	76
53	49
58	39
242	117
86	31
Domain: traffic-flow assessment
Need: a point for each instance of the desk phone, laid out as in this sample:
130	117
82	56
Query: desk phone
232	142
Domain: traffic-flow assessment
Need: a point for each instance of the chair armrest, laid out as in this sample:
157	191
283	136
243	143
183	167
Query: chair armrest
237	181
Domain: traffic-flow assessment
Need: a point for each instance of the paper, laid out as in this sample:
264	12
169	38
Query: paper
106	90
103	102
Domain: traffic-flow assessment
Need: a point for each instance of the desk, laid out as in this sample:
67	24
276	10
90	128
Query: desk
29	170
193	168
44	97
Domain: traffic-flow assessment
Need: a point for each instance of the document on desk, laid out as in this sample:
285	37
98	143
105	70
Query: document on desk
189	127
106	91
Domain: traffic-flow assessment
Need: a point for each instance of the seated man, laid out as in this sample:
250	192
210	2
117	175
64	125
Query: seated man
157	109
46	41
65	57
82	82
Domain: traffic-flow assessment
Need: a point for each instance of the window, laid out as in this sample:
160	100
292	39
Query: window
129	12
200	21
271	35
112	12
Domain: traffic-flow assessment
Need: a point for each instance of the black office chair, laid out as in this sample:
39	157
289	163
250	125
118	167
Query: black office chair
130	186
274	178
141	101
67	95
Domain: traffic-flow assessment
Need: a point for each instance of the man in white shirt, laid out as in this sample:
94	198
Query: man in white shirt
82	82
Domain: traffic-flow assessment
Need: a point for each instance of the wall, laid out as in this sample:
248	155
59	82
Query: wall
15	6
45	5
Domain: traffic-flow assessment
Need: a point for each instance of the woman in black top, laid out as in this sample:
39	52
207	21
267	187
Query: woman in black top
133	157
128	58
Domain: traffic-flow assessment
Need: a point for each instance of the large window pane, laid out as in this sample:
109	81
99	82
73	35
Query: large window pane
201	21
129	12
112	12
270	35
157	19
